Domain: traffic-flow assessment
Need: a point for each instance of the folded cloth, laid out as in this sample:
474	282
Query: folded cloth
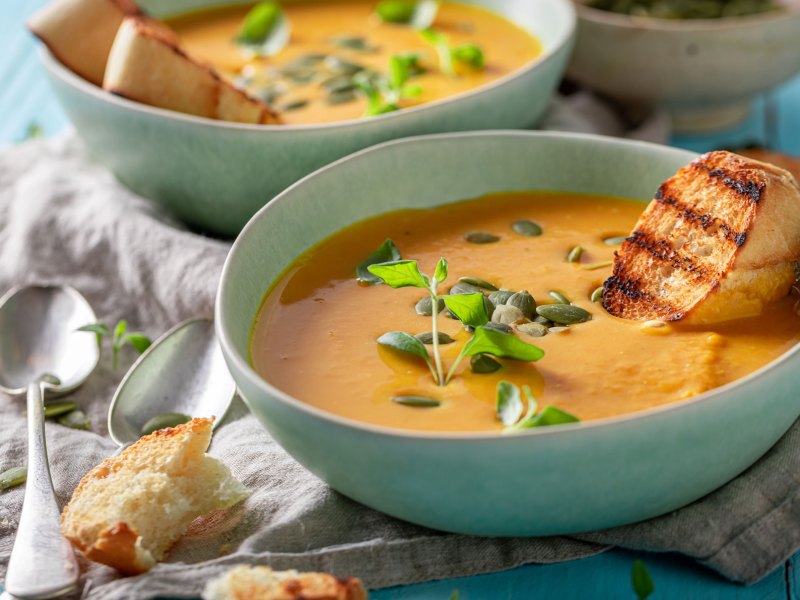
64	219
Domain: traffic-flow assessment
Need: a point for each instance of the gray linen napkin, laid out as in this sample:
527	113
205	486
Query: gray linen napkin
66	220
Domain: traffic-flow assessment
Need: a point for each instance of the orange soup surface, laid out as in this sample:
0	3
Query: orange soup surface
311	80
315	335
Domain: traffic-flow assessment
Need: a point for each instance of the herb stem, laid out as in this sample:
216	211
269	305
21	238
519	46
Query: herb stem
439	375
455	364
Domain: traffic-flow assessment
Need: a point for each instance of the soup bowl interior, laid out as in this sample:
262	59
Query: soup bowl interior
548	481
215	175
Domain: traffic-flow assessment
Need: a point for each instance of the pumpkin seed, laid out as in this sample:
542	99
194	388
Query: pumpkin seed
597	295
543	321
560	329
481	237
163	421
574	254
500	297
564	314
56	409
427	338
425	306
506	314
614	241
482	363
478	282
598	265
50	379
296	105
352	42
533	329
489	307
501	327
341	97
338	83
559	297
523	301
75	419
13	477
417	401
464	288
309	59
526	227
655	327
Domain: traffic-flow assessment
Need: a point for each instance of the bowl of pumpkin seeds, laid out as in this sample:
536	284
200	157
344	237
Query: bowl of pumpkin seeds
704	61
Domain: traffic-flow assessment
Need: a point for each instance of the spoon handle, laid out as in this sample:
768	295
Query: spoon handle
42	563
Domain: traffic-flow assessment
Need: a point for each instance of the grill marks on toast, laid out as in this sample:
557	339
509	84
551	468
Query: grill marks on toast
686	240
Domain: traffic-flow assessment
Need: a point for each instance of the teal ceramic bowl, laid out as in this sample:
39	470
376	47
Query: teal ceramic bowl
554	480
215	175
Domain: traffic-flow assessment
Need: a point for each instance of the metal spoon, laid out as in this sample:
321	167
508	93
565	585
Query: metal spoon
182	372
38	338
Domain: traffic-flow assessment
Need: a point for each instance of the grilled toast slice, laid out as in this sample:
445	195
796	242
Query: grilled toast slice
79	33
129	510
718	242
147	65
262	583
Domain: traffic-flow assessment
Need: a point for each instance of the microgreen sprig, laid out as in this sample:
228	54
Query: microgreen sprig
384	94
265	30
467	54
419	14
641	580
510	408
118	337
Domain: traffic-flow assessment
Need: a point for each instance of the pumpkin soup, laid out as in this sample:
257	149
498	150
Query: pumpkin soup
343	61
316	335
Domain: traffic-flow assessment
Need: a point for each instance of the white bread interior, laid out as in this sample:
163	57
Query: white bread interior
262	583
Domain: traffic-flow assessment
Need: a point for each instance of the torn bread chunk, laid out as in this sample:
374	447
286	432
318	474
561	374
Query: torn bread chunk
262	583
147	66
129	510
719	241
79	33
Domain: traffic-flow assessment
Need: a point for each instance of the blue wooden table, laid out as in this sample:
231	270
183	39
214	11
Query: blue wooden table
26	100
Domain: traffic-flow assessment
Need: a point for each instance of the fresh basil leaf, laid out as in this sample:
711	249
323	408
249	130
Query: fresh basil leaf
139	341
400	273
120	329
398	72
509	404
439	41
417	14
265	29
405	342
470	54
469	308
386	252
550	415
501	345
100	329
440	274
532	404
642	583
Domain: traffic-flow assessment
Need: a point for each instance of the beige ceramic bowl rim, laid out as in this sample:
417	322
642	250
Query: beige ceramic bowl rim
67	76
243	365
790	9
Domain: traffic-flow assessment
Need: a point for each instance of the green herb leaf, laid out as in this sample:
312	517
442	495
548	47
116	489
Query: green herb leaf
405	342
642	583
501	345
98	328
469	308
440	274
400	273
469	54
439	42
139	341
417	14
56	409
120	329
33	131
386	252
13	477
265	29
484	364
509	403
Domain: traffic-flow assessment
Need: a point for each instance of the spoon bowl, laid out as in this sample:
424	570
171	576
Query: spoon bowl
182	372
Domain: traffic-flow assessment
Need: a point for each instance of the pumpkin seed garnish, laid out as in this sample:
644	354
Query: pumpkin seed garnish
615	241
543	321
574	254
417	401
352	42
296	105
482	363
559	297
425	306
427	338
597	265
533	329
527	228
341	97
481	237
13	477
338	83
597	295
50	379
465	288
564	314
559	329
163	421
75	419
501	327
478	282
523	301
506	314
500	297
56	409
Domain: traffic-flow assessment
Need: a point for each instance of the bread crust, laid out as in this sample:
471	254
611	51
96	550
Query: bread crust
147	65
723	226
244	582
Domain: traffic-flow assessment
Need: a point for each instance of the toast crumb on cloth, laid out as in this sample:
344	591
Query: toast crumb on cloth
719	241
130	509
262	583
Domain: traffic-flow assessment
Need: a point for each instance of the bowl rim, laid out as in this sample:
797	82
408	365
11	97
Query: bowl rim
59	70
791	9
254	379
